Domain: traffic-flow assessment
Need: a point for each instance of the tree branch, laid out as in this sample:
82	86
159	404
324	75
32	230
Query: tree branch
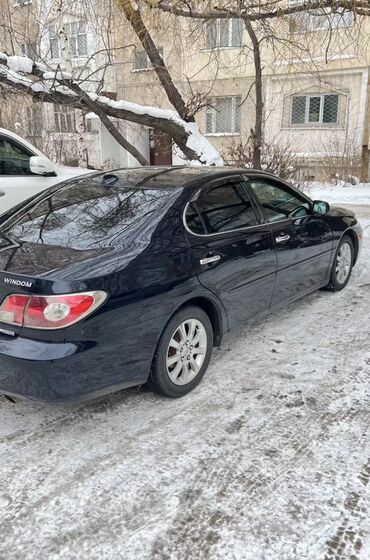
136	21
117	135
260	11
53	87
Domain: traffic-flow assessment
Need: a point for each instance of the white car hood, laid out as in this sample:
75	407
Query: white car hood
64	172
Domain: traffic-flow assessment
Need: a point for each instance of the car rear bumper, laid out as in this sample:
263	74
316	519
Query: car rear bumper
64	372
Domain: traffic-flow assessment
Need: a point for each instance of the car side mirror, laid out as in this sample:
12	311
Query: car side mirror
41	166
320	207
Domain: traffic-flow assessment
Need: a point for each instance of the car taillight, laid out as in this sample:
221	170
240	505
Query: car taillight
49	312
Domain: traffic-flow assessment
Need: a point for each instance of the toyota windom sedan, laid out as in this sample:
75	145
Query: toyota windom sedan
132	276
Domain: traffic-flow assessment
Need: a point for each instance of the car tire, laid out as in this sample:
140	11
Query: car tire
183	353
342	266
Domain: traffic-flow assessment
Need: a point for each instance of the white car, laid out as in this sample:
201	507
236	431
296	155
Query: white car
25	171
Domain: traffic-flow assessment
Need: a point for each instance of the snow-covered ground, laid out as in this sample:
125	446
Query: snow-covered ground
269	459
350	194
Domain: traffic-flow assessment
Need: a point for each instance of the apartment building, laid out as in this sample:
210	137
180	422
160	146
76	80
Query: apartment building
37	28
315	82
317	98
19	31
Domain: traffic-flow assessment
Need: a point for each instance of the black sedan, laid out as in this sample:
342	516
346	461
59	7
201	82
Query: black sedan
119	279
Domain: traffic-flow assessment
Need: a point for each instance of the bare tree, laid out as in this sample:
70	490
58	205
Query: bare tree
260	18
45	83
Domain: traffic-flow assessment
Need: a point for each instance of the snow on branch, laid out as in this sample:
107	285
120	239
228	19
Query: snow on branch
22	74
254	11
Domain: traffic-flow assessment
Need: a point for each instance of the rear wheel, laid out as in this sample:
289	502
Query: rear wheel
342	266
183	353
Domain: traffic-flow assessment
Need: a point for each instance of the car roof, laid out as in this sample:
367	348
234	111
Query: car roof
174	176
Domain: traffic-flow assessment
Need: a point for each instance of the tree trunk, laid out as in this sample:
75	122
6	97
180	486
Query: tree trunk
193	145
117	135
136	21
257	130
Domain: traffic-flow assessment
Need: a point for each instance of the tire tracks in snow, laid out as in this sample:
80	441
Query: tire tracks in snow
347	541
220	480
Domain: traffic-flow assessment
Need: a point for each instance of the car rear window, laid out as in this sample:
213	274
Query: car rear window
91	215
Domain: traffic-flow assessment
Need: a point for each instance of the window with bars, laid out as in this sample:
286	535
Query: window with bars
29	50
224	33
315	109
223	115
64	119
142	61
77	37
54	44
319	19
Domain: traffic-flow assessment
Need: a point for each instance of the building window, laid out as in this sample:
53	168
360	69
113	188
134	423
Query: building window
319	19
34	120
54	44
315	109
223	115
29	50
224	33
64	118
77	37
142	61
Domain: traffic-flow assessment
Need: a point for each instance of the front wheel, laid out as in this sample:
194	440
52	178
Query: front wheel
183	353
342	266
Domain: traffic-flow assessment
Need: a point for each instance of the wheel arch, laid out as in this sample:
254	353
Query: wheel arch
213	312
353	236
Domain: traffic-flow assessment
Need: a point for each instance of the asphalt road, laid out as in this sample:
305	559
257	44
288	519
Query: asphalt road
269	459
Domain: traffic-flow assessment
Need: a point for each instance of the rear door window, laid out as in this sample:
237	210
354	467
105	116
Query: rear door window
223	208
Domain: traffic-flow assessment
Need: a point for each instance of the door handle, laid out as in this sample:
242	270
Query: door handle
282	238
210	259
2	193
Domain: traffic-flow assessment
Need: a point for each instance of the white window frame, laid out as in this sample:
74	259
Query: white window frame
68	28
213	111
218	35
54	36
307	110
149	65
66	111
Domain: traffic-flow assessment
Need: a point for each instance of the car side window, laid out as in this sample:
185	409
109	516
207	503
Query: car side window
225	208
278	202
13	160
193	220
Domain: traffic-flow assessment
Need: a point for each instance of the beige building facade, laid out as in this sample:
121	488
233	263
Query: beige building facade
315	84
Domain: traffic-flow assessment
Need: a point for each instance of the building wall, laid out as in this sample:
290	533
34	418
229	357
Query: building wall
321	61
348	133
19	31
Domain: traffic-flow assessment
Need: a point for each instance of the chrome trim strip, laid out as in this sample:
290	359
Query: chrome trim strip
229	230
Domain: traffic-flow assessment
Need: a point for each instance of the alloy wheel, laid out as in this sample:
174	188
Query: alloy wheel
186	351
344	263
